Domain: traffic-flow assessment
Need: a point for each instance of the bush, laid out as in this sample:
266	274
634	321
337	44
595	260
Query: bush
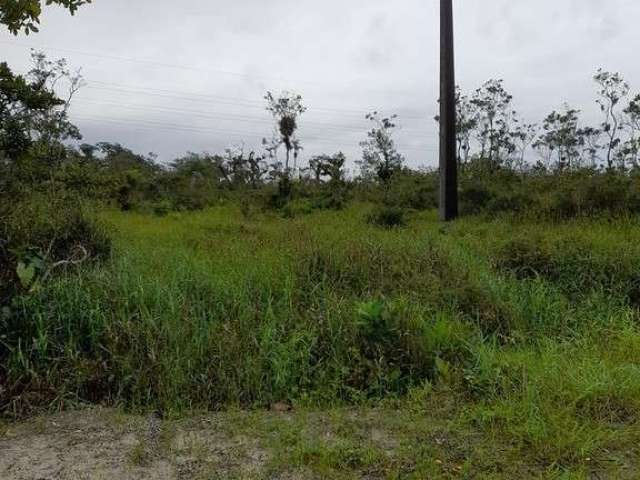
527	257
391	356
334	198
42	232
500	192
587	193
194	199
414	190
388	217
162	209
55	225
474	199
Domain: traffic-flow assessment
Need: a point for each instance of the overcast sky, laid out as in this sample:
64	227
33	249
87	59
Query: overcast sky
167	77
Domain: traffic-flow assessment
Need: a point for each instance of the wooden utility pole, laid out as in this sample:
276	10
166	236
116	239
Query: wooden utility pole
448	160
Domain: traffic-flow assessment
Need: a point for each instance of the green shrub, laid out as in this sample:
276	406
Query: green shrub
331	199
55	226
192	199
587	193
527	257
388	217
413	190
41	233
475	198
162	208
392	357
511	201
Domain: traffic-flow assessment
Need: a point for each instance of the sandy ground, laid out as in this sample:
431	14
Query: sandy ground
103	444
278	444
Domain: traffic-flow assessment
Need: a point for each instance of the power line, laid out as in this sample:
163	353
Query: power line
200	98
126	59
232	117
174	65
166	125
234	100
221	99
192	129
153	125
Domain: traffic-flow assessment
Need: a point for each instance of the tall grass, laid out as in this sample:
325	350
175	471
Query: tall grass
532	327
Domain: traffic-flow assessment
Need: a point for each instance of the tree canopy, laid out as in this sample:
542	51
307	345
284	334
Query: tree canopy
24	15
32	113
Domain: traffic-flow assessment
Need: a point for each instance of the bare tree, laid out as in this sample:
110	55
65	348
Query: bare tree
631	148
466	124
494	116
612	89
522	137
560	137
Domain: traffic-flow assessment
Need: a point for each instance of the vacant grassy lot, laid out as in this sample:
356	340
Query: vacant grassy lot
497	348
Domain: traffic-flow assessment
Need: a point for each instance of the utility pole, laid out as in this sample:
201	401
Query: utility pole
448	160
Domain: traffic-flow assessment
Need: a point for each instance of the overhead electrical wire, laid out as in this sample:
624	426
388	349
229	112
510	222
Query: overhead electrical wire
127	89
150	124
176	66
339	128
181	94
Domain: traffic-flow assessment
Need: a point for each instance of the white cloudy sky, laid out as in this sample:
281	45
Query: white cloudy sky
170	77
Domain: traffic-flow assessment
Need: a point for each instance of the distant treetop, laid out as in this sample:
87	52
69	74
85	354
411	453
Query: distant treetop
24	15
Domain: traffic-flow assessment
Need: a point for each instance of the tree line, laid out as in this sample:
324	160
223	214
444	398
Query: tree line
493	141
490	131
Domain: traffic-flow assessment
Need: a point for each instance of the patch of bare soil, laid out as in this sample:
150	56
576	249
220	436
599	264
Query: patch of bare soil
103	444
280	444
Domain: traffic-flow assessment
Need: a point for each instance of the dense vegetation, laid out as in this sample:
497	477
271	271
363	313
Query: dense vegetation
531	329
235	280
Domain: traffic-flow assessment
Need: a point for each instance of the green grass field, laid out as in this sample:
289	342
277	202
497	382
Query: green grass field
520	340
